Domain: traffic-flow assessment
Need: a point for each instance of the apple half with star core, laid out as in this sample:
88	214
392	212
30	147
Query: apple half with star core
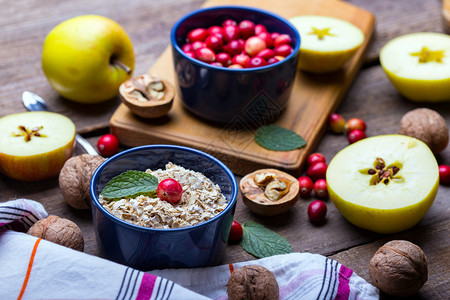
418	65
86	58
384	183
35	145
327	43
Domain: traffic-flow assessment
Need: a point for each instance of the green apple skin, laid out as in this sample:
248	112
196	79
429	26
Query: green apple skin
404	210
78	54
42	157
420	82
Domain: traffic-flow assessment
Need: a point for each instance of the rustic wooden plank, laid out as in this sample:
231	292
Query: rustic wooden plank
25	24
434	242
313	98
395	18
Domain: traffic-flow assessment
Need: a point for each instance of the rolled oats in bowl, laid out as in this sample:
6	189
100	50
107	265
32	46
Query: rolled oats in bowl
201	200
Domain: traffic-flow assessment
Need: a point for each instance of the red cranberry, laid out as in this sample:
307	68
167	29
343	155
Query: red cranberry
236	232
260	28
215	30
107	145
282	39
265	53
247	28
187	48
230	33
234	48
197	34
444	174
255	62
320	188
241	59
214	43
216	64
283	50
317	171
223	58
205	55
317	211
253	45
197	45
265	36
169	190
356	135
274	35
190	54
305	185
235	66
315	158
229	22
273	60
337	123
355	123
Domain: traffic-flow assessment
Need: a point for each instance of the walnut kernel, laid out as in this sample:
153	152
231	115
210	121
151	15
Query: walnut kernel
60	231
426	125
399	268
252	282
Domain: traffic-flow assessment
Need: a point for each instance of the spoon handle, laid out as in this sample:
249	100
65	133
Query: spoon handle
85	144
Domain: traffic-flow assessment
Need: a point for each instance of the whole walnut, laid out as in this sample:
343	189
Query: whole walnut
426	125
399	268
75	177
252	282
60	231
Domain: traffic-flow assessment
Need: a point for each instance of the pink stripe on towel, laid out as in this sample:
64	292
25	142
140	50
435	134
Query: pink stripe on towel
344	278
146	287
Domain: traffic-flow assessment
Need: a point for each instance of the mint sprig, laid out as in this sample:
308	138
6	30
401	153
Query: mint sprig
130	184
274	137
262	242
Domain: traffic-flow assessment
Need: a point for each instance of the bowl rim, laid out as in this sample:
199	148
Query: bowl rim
236	7
96	202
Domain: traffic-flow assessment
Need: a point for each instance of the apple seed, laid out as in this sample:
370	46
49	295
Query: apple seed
27	133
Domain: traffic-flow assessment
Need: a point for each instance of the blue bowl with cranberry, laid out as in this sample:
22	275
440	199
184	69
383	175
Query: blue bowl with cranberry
147	248
253	84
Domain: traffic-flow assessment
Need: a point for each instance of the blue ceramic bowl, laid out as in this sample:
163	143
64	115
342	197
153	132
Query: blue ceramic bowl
253	95
147	248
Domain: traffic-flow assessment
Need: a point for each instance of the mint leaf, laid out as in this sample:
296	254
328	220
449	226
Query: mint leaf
130	184
277	138
262	242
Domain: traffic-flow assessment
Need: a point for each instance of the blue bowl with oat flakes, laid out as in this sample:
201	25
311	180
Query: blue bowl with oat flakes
253	95
147	248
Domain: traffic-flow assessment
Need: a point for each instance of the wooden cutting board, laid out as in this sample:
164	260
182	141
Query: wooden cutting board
313	98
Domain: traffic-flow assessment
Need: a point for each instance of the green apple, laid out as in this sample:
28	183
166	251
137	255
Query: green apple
327	43
418	65
384	183
35	145
86	58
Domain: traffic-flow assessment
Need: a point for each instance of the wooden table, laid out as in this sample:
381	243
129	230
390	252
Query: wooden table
24	25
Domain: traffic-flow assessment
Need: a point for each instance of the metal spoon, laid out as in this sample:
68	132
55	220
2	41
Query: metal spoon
34	102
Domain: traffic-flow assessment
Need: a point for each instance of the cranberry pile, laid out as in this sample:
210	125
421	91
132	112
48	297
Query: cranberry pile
237	45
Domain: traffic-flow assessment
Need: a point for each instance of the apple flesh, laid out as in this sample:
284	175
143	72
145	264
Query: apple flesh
86	58
418	65
327	42
35	145
390	204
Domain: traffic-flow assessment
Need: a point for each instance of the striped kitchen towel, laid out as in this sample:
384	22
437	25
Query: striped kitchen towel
33	268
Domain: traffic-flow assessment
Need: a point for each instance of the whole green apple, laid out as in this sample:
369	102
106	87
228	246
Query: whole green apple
86	58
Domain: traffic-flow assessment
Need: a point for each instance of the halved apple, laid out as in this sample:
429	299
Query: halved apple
35	145
418	65
327	43
384	183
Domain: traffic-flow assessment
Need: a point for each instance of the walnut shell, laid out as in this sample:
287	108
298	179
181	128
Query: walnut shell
255	198
426	125
60	231
252	282
399	268
75	177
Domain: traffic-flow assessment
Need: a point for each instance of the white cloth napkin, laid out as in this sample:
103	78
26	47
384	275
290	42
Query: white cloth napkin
37	269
